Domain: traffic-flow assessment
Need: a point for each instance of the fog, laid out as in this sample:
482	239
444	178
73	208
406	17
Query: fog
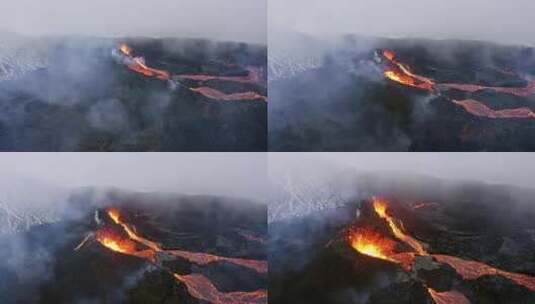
237	20
495	168
228	174
491	20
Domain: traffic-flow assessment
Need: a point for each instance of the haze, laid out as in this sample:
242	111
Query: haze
229	174
509	22
236	20
496	168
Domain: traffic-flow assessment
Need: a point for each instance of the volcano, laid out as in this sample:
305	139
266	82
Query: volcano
375	94
425	241
133	94
141	248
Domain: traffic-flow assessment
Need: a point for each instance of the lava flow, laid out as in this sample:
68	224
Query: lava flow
254	76
137	64
131	243
448	297
477	108
401	73
372	243
203	289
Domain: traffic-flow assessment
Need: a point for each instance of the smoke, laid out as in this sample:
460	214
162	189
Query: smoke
240	20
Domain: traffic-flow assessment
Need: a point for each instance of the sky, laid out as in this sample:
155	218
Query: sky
229	174
496	168
236	20
508	22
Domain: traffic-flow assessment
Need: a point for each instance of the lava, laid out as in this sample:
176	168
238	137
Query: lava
254	76
215	94
137	64
205	258
203	289
400	72
380	207
372	243
197	285
112	240
448	297
471	270
424	205
479	109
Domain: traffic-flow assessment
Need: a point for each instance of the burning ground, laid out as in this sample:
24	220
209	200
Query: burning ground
408	95
94	94
438	242
141	248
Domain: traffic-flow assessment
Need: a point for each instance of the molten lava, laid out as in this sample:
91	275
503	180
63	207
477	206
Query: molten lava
401	73
197	285
380	207
479	109
254	76
215	94
203	289
372	243
448	297
137	64
111	240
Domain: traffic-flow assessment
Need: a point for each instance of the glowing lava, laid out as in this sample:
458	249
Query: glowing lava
203	289
137	64
477	108
197	285
371	243
380	207
401	73
254	76
448	297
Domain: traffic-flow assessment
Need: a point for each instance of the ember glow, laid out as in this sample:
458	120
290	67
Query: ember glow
137	64
113	241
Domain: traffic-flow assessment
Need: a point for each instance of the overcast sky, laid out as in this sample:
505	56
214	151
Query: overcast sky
501	168
229	174
494	20
238	20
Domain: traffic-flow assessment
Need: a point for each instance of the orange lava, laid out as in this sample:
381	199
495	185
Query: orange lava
380	206
137	64
202	288
254	76
471	270
111	240
522	91
114	214
401	73
448	297
479	109
215	94
205	258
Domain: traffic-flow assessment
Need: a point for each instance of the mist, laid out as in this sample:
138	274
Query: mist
497	21
239	20
226	174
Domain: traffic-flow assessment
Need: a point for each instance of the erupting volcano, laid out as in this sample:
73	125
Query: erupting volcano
138	65
379	246
126	240
401	73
